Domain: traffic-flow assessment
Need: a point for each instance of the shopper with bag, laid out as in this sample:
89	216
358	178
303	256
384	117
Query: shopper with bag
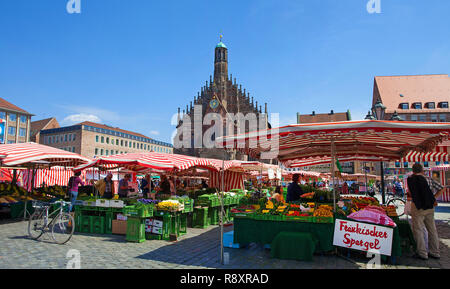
423	192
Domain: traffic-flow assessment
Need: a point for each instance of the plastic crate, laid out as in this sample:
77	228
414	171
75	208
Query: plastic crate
109	217
200	218
150	236
85	224
88	208
97	225
135	230
188	206
77	218
308	219
182	225
213	216
143	211
323	219
116	204
102	203
89	203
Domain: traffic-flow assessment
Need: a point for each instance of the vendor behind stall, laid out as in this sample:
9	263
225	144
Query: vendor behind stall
164	185
294	191
124	186
105	187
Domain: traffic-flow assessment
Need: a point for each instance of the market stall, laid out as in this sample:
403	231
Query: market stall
441	173
384	140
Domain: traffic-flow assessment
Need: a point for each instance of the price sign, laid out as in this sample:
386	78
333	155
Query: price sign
363	237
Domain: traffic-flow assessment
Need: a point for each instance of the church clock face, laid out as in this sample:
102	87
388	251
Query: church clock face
214	103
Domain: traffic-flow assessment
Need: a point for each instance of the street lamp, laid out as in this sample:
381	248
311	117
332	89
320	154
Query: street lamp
378	110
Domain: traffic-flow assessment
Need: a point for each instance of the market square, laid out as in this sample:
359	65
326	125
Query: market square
338	158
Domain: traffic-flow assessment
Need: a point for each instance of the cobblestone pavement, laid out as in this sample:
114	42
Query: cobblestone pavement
198	249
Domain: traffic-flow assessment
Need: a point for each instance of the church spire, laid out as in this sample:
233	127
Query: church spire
221	63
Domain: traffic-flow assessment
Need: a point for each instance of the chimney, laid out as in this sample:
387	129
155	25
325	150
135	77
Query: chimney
332	112
313	113
265	107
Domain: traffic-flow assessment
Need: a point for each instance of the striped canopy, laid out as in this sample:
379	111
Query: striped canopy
22	154
327	160
439	154
441	168
388	139
156	161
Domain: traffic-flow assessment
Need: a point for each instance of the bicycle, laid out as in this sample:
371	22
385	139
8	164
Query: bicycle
61	226
396	201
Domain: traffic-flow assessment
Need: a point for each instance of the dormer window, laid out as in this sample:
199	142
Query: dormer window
417	105
443	104
404	105
430	105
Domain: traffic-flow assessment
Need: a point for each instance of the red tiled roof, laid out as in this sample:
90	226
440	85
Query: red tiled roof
9	106
395	90
104	126
37	126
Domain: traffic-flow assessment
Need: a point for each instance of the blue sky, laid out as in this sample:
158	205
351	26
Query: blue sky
133	63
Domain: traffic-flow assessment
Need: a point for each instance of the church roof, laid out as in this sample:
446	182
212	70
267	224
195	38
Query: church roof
221	45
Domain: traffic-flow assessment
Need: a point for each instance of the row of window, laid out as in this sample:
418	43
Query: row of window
13	117
418	105
106	152
59	138
69	149
125	135
425	164
423	117
12	131
130	144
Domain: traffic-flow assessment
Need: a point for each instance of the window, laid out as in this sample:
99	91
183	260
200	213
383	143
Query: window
96	151
69	137
121	142
117	152
404	105
65	137
12	117
126	143
129	144
443	104
107	140
2	115
11	141
417	105
134	145
414	117
102	140
434	118
430	105
142	146
61	138
101	152
117	142
423	117
22	132
112	141
23	119
145	146
438	163
405	164
425	164
12	130
73	137
96	138
106	152
73	149
442	118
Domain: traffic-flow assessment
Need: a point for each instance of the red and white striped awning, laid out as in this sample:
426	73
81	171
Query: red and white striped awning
150	160
21	154
439	154
327	160
388	139
441	168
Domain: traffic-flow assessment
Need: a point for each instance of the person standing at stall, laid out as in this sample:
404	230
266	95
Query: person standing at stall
74	182
294	191
146	186
105	187
424	191
124	187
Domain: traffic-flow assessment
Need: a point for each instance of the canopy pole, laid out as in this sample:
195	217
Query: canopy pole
365	177
221	209
333	157
383	193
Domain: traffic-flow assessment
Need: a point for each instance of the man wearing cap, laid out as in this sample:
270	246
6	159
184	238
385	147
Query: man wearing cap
105	187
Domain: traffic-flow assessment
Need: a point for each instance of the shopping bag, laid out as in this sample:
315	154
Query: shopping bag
408	208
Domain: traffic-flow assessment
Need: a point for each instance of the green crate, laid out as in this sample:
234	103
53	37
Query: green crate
308	219
97	225
150	236
200	218
104	209
85	224
141	211
117	210
323	219
213	216
78	218
135	230
182	229
88	208
188	206
109	217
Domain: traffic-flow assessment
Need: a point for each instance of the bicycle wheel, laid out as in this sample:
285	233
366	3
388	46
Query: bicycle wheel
399	205
36	225
62	228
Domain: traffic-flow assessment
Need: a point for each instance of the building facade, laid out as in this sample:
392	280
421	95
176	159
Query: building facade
17	123
221	95
95	140
43	124
422	98
323	117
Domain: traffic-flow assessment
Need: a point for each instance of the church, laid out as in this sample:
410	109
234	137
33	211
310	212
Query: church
223	96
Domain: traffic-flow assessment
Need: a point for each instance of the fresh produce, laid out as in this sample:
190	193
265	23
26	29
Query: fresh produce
324	211
308	195
168	205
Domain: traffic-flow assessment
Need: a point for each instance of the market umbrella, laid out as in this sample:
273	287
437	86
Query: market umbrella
385	139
